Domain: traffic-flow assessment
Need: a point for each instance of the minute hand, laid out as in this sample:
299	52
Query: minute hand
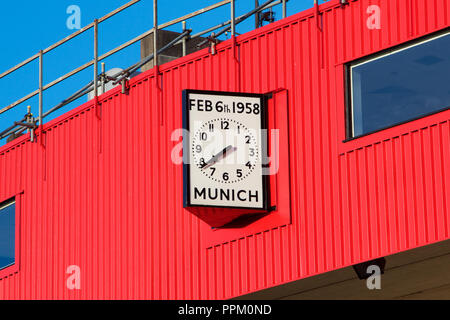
217	157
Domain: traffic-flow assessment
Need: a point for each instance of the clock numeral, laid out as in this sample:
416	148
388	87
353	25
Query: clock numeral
203	136
239	129
252	152
226	176
198	148
213	170
249	165
247	139
211	127
225	125
239	173
202	162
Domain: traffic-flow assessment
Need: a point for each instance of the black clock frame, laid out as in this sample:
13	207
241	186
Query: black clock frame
186	148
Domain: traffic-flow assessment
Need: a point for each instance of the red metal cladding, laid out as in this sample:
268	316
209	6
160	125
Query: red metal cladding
102	191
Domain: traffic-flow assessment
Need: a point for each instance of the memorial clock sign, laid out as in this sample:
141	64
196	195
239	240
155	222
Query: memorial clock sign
224	150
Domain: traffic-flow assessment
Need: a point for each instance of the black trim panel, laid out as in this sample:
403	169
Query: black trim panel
186	142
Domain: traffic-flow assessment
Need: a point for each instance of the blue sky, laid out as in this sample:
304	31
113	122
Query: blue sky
29	26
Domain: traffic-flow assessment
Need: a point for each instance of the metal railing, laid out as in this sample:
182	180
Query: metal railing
30	123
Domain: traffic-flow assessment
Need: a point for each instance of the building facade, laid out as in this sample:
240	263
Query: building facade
99	190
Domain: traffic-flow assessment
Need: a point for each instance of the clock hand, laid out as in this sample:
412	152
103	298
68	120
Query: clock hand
217	157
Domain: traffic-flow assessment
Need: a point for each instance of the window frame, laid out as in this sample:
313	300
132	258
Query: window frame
14	268
349	116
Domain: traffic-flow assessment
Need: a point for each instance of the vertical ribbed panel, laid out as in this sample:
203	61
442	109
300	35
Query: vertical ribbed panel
104	194
398	192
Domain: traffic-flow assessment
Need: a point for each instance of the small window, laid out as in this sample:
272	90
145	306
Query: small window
402	85
7	234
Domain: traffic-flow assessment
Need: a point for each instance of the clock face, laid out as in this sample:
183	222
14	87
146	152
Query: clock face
224	150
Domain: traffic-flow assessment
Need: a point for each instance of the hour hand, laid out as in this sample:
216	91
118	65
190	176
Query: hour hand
217	157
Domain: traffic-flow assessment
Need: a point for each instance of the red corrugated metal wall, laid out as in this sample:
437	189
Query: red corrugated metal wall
102	192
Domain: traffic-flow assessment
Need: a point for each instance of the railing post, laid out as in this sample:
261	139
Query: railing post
233	17
102	81
284	9
95	58
29	119
155	32
41	87
184	38
213	44
256	15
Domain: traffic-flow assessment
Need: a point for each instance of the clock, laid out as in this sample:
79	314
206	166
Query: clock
224	150
211	164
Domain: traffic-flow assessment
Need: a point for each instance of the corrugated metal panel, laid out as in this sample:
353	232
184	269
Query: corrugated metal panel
103	193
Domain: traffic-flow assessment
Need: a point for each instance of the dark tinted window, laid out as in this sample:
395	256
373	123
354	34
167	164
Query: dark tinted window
7	234
400	86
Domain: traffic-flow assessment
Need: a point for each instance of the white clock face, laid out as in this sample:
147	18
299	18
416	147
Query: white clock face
226	150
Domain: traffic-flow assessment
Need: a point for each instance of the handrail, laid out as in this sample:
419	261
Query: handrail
102	57
93	85
73	35
194	14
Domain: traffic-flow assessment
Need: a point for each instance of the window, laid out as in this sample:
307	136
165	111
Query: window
7	234
402	85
